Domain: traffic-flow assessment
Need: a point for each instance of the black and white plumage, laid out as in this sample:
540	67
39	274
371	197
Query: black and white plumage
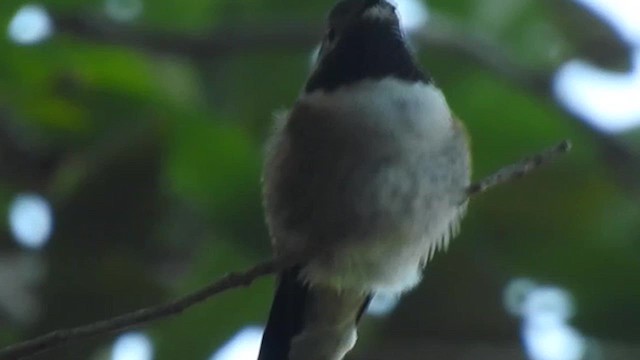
367	171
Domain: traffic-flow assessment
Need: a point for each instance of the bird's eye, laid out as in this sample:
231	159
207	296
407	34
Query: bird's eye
331	34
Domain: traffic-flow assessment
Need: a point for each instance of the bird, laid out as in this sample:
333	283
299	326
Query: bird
366	173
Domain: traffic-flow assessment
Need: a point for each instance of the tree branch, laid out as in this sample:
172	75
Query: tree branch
441	32
519	169
447	35
224	40
142	316
244	278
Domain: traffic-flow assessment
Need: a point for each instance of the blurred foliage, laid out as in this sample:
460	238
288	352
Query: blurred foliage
157	164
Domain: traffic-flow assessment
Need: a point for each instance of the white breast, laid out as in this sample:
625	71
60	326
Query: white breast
395	105
417	189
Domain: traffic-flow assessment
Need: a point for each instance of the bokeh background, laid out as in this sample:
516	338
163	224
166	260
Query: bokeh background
131	137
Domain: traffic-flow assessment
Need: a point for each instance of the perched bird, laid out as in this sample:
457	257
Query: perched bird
367	173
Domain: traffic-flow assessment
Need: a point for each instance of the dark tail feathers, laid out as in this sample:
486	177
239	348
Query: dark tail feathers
286	316
286	319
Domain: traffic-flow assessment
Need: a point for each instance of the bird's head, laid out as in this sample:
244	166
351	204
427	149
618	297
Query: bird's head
363	40
350	16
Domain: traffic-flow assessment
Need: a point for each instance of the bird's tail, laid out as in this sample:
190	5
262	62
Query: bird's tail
294	303
286	317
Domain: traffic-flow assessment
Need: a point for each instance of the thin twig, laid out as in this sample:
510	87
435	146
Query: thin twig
142	316
519	169
240	279
225	39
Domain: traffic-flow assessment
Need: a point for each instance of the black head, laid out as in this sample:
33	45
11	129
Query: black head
363	41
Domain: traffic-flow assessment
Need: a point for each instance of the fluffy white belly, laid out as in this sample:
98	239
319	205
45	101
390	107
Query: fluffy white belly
377	171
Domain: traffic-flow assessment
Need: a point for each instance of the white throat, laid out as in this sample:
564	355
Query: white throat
380	13
391	104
